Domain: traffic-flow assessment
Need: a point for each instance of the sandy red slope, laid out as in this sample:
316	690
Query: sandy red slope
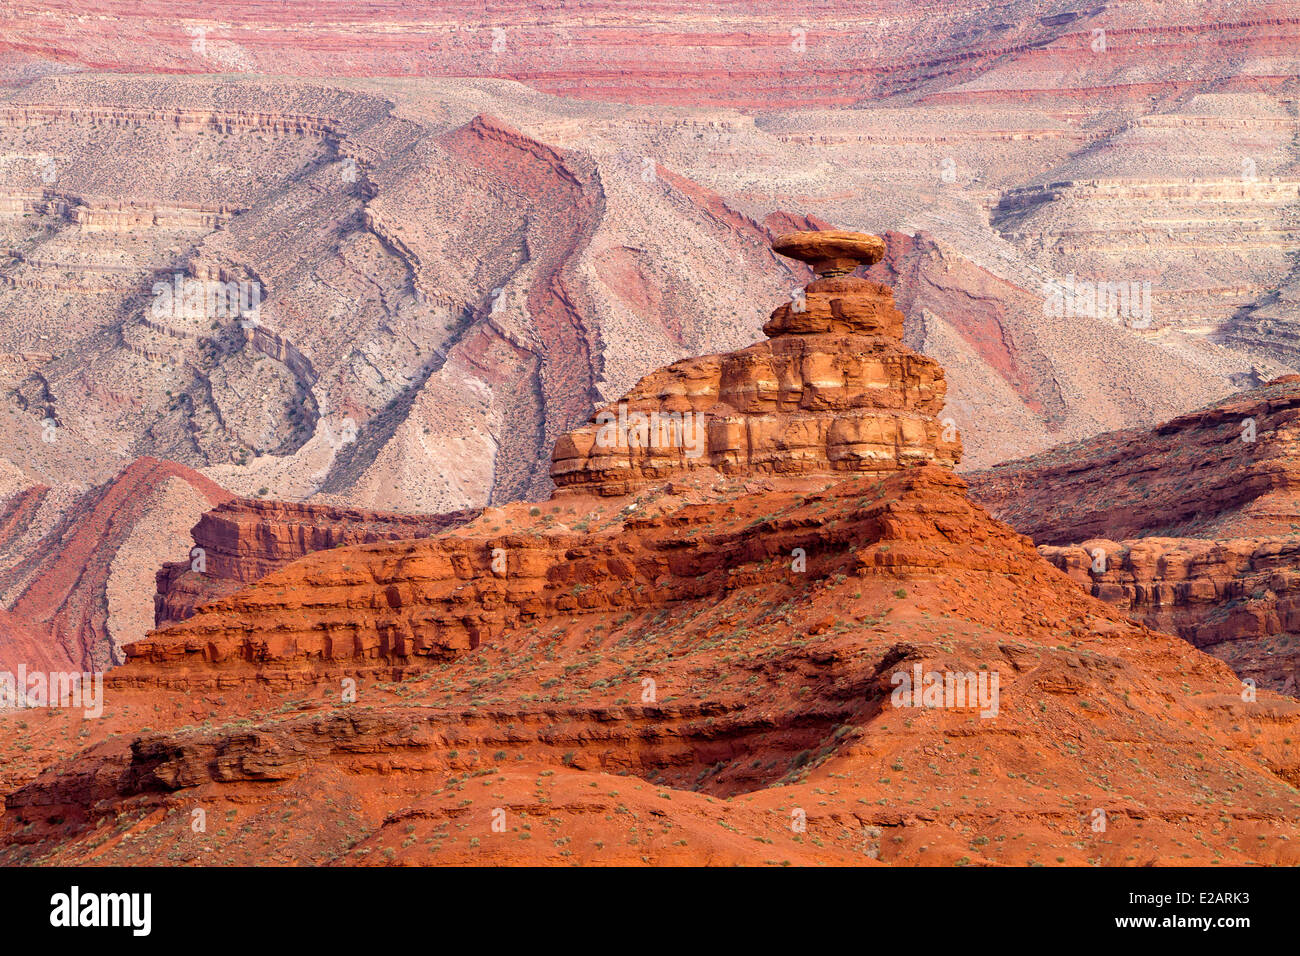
79	586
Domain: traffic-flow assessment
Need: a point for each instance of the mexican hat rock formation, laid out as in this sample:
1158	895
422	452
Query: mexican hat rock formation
832	390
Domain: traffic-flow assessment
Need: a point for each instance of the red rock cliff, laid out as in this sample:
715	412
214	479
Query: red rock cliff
1188	527
243	540
603	668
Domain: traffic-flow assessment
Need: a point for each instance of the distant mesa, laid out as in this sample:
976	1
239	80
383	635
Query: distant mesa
242	540
1188	527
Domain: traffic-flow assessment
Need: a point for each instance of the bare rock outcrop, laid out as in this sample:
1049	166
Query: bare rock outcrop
243	540
832	390
1235	598
1189	527
733	632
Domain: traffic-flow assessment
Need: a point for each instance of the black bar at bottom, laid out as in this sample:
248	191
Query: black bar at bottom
590	908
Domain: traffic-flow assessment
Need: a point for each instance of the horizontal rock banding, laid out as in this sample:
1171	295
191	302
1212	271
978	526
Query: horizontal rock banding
832	390
1188	527
243	540
733	631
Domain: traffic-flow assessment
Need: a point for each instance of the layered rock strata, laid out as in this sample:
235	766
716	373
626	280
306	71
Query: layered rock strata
832	390
82	588
1189	527
243	540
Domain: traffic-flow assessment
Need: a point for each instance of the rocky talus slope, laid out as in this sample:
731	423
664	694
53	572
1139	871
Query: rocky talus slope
1190	527
369	299
699	667
455	271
